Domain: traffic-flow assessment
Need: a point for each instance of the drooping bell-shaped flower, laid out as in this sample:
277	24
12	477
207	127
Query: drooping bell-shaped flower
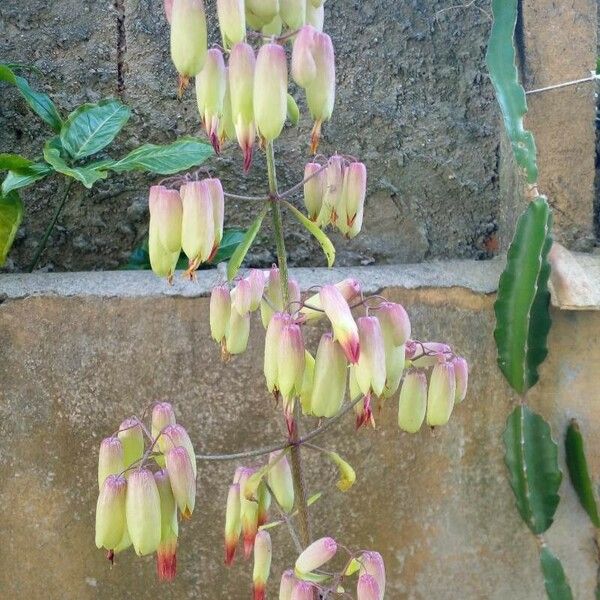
143	512
248	512
293	13
287	584
232	21
262	564
461	372
270	91
162	416
303	590
413	402
220	312
242	63
233	523
164	243
280	481
174	436
290	363
314	188
441	394
394	319
344	327
110	512
198	230
304	69
316	555
264	503
241	296
272	349
111	459
315	15
188	39
256	278
354	191
238	332
349	288
329	381
370	368
367	588
210	94
333	194
183	479
132	438
347	473
166	554
307	383
371	563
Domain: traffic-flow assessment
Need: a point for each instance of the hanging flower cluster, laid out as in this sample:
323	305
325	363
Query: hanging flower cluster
143	488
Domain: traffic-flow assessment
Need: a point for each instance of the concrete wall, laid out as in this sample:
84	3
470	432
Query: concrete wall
79	352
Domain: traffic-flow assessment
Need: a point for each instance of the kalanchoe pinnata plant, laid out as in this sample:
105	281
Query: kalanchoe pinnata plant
366	351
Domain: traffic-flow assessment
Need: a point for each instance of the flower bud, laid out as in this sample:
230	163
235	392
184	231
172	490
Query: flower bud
349	288
166	211
162	416
241	85
257	284
270	91
142	507
413	402
273	28
290	371
320	92
210	94
286	587
166	554
344	327
315	16
314	189
262	564
394	322
329	383
316	555
280	481
307	383
241	296
461	372
440	398
304	68
427	353
188	38
110	459
293	12
110	512
370	368
264	503
371	563
220	312
233	523
183	479
248	513
238	332
198	231
347	473
303	591
174	436
354	190
132	438
162	262
367	588
217	198
333	192
263	9
232	21
272	348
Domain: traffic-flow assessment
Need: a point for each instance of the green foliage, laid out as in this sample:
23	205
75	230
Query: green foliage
522	306
11	213
501	62
531	456
555	580
19	178
579	472
240	252
13	161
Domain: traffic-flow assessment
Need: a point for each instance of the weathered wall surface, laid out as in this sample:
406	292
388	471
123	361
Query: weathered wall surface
412	100
78	353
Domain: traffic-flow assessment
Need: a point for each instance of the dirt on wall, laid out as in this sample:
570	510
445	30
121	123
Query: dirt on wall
413	101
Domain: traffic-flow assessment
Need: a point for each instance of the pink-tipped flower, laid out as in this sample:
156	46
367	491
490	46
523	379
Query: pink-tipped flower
370	368
413	402
238	332
248	513
349	288
461	372
164	243
287	585
220	312
168	6
233	523
426	354
162	416
272	346
303	590
314	189
329	380
320	92
210	94
110	512
344	327
333	194
232	21
270	91
316	555
166	554
364	408
257	284
441	394
262	564
242	64
293	13
315	15
188	38
142	507
110	459
132	438
174	436
241	296
304	68
395	322
281	482
354	191
367	588
183	479
217	198
290	362
198	230
371	563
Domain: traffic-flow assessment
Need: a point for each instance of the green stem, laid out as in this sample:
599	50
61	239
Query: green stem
295	451
44	241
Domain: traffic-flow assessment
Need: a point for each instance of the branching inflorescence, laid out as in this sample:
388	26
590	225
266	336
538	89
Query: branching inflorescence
365	357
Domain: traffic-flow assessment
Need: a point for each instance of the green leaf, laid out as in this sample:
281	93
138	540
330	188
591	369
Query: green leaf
240	252
232	238
317	232
9	162
7	74
523	301
88	174
555	580
23	177
531	457
182	154
11	214
293	112
579	472
92	127
501	62
40	103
